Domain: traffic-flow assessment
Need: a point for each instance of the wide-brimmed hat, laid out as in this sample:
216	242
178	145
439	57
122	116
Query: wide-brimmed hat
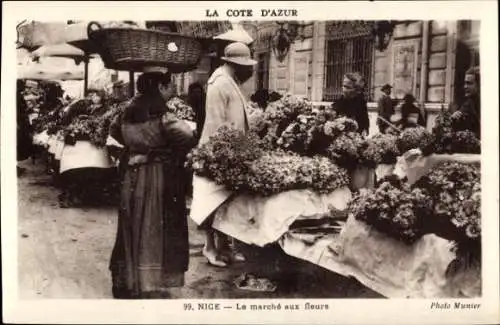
386	87
238	53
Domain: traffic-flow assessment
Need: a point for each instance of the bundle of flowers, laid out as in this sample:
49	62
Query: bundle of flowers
455	193
415	138
396	211
226	158
256	119
279	171
294	125
451	136
49	122
182	110
347	150
244	163
382	149
85	129
111	115
279	115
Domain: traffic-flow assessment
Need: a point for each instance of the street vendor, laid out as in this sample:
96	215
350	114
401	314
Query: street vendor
411	114
352	103
151	252
93	104
53	101
470	110
225	105
80	185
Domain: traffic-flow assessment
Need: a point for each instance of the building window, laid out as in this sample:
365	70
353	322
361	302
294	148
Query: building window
263	70
354	54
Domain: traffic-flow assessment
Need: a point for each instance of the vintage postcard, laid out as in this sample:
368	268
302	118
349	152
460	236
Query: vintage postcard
250	162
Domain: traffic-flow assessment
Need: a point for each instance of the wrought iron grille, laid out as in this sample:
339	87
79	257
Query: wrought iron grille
353	54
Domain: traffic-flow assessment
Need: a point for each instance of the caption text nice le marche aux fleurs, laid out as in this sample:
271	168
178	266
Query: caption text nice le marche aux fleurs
254	307
251	13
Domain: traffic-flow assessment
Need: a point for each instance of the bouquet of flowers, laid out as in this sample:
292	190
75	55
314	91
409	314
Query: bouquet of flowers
181	109
280	171
257	120
396	211
382	149
347	150
279	115
85	129
455	192
244	163
415	138
450	136
311	134
327	176
226	158
50	122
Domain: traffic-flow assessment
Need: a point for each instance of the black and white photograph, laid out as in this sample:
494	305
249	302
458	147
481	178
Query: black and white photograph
251	160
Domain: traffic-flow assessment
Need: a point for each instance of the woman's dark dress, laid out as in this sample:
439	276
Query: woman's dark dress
354	108
406	110
151	251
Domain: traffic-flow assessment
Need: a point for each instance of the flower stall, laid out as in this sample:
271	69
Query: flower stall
285	164
291	181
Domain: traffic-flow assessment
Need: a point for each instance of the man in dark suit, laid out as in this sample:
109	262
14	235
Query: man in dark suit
385	107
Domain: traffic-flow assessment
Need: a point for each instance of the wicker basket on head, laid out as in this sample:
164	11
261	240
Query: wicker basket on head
133	49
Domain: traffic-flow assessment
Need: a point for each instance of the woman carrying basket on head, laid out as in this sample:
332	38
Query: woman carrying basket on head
151	251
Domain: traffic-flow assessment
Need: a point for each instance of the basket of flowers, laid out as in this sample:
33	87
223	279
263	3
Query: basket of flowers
126	48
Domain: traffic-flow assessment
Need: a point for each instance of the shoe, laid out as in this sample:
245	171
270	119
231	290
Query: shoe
239	257
212	258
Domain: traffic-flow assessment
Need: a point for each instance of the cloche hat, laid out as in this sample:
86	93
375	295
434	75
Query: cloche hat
238	53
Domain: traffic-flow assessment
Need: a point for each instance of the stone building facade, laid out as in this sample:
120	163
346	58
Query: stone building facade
425	58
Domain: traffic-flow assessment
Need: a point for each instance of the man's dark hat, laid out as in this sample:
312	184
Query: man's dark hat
386	86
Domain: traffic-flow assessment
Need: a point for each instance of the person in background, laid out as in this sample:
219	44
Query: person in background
470	110
411	115
385	108
53	101
83	184
52	105
274	96
261	97
196	99
352	103
151	251
225	106
24	132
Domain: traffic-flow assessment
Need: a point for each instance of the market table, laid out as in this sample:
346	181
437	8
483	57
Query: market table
426	269
385	265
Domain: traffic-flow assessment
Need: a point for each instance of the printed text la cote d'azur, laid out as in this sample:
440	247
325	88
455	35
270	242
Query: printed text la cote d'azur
234	13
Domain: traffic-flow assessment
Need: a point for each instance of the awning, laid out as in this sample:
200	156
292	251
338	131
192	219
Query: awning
237	34
40	72
35	34
59	50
